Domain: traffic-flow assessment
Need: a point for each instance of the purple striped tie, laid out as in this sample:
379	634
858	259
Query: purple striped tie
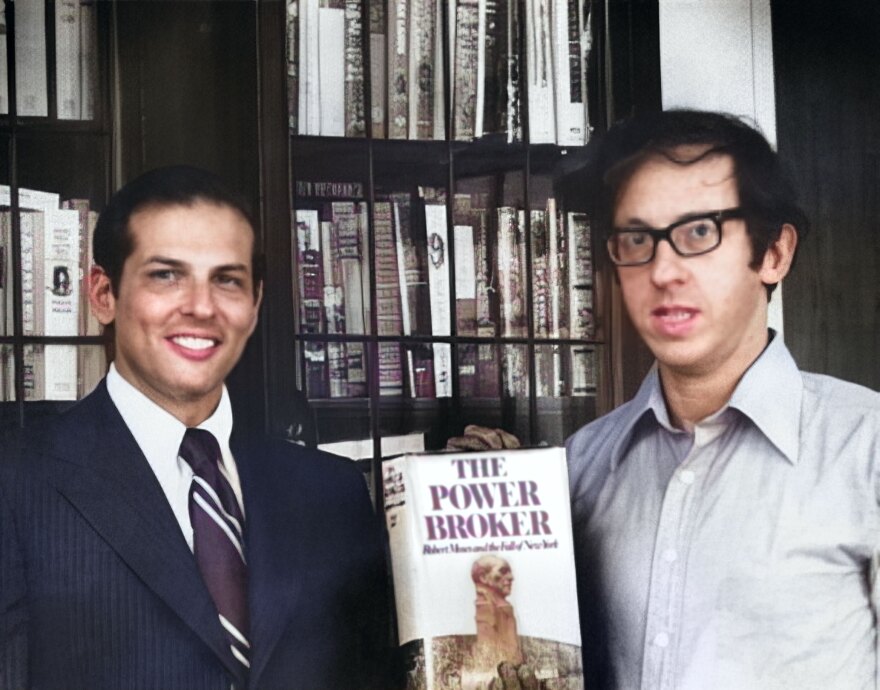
218	538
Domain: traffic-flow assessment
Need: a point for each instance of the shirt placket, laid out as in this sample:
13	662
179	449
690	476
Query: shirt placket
668	567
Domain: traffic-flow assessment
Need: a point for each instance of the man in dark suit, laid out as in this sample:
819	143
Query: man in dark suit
144	541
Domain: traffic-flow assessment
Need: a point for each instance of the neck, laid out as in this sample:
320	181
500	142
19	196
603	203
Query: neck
691	396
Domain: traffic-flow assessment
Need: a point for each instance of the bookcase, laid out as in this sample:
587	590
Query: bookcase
442	277
55	174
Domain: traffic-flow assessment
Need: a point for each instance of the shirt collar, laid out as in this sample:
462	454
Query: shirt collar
769	394
159	433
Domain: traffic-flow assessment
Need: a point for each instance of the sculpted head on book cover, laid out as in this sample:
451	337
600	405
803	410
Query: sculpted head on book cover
497	638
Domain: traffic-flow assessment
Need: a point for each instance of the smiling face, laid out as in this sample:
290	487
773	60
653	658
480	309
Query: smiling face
701	315
185	304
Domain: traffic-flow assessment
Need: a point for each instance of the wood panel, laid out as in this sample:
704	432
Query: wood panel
827	59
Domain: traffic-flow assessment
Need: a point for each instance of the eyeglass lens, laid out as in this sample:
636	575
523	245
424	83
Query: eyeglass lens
696	236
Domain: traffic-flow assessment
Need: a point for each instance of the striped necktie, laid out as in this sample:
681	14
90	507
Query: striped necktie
218	538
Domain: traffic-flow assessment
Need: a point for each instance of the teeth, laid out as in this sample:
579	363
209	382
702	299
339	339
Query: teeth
676	315
193	343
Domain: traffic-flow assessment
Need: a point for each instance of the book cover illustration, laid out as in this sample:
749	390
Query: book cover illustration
483	567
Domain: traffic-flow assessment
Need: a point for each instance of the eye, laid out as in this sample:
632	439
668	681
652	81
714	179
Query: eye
633	238
164	275
230	281
701	230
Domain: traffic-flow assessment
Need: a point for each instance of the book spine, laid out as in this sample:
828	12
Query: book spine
511	273
440	296
580	266
31	77
88	59
389	320
488	371
494	81
583	371
465	281
421	68
439	132
541	318
515	371
33	365
292	62
570	106
398	70
378	66
464	76
514	73
81	206
467	371
31	232
317	370
67	60
310	264
586	46
310	74
331	68
355	120
539	69
480	101
487	282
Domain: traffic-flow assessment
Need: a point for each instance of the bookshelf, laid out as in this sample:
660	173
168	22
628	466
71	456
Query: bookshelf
55	173
439	277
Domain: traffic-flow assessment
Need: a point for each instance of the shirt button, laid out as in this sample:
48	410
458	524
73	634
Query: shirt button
661	640
670	555
687	477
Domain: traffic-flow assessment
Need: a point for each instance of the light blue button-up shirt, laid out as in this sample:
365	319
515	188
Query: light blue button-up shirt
743	555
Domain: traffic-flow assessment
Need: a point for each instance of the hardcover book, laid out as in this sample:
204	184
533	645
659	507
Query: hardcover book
483	566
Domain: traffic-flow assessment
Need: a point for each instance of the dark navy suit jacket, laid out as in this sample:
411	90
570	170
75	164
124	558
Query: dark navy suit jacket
98	588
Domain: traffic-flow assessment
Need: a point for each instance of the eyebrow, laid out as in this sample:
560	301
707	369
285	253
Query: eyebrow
176	263
638	222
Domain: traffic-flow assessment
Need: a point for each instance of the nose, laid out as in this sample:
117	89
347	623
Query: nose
667	266
199	300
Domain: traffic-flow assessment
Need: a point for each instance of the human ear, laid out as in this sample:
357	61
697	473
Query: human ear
101	297
779	255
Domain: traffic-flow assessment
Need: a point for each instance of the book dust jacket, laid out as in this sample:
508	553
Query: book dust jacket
483	565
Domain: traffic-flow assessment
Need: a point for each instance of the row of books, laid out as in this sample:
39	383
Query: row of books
53	372
413	282
490	89
484	370
55	239
76	59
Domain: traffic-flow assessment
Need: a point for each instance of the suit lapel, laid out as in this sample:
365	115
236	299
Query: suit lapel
108	480
272	518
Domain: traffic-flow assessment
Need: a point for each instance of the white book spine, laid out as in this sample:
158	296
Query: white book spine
31	80
60	273
67	59
539	67
438	283
331	68
481	68
570	110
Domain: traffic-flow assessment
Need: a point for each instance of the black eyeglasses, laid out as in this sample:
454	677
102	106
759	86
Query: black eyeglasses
691	236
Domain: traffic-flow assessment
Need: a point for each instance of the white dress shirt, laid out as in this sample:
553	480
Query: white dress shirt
742	556
159	435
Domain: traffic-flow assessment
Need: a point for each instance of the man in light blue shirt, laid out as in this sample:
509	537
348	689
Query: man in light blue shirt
727	519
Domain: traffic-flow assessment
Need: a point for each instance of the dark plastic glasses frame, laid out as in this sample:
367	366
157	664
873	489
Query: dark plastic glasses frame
717	217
